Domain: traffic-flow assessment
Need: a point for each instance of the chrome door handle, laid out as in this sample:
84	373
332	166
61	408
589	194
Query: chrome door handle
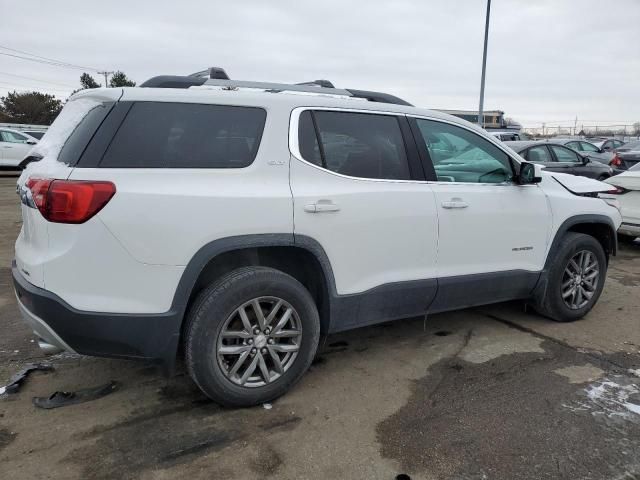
455	203
321	206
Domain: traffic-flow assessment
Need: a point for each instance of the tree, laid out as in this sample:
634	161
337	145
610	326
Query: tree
30	107
119	79
87	81
636	128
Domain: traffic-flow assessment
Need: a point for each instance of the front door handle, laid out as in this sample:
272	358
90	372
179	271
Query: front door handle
321	206
455	203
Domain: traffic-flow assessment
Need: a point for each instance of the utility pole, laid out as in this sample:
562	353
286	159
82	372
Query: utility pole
484	66
106	74
575	126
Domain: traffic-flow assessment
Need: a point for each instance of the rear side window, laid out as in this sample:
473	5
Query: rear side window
81	135
355	144
186	135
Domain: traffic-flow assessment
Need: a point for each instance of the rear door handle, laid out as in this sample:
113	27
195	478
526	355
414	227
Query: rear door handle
321	206
455	203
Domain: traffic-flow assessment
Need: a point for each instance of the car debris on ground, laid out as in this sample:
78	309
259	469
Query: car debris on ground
16	380
63	399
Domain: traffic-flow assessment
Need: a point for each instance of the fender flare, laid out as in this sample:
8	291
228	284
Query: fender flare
227	244
540	289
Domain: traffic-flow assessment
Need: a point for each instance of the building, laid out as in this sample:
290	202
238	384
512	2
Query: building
492	119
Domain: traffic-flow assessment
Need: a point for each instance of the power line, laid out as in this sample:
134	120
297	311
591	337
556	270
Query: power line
57	62
13	86
38	80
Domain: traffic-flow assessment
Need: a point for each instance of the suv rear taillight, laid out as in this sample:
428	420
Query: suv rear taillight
69	201
615	161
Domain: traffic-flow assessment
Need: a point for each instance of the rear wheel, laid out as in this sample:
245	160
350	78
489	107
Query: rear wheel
576	278
251	336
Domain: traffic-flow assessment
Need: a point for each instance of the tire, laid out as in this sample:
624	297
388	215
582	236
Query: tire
217	309
553	305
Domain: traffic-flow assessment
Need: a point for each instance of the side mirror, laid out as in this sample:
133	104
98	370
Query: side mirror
585	159
529	174
31	142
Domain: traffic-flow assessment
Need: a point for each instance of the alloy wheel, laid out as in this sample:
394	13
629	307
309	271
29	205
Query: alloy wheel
259	341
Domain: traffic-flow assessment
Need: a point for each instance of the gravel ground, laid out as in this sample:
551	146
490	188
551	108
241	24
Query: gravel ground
485	393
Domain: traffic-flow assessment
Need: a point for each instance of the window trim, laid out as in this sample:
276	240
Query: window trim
294	142
428	166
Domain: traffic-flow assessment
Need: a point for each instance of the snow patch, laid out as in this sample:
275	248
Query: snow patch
615	397
50	145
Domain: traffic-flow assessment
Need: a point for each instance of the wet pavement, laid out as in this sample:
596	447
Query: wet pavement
486	393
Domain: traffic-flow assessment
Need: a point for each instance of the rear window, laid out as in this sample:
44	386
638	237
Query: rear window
184	135
81	135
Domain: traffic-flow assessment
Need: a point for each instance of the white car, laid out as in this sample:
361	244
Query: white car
243	220
628	193
14	147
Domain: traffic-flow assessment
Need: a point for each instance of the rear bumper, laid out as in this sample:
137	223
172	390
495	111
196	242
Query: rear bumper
143	336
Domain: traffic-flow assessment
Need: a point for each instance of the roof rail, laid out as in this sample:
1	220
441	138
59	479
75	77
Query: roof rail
216	76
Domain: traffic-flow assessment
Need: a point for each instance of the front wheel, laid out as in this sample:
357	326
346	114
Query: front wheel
251	336
576	278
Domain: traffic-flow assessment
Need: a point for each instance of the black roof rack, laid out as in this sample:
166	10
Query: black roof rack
218	77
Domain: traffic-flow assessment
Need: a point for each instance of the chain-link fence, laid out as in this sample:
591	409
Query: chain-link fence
623	132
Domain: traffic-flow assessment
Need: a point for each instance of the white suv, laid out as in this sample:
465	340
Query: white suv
14	146
244	220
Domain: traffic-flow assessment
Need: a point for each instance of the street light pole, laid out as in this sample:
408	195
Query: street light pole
484	66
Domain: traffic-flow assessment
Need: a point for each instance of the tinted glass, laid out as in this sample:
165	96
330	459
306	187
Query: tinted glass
574	145
539	154
362	145
588	147
309	147
184	135
79	138
564	154
459	155
37	135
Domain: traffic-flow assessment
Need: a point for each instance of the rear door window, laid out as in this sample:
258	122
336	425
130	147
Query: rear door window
360	145
186	135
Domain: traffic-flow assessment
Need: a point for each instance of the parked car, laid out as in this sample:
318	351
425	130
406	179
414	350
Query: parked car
607	144
627	156
14	146
628	193
586	148
506	136
243	220
558	158
37	134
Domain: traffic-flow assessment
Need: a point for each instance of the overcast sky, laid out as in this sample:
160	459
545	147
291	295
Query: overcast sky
549	60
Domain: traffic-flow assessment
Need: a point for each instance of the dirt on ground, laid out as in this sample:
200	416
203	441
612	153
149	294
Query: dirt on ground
486	393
